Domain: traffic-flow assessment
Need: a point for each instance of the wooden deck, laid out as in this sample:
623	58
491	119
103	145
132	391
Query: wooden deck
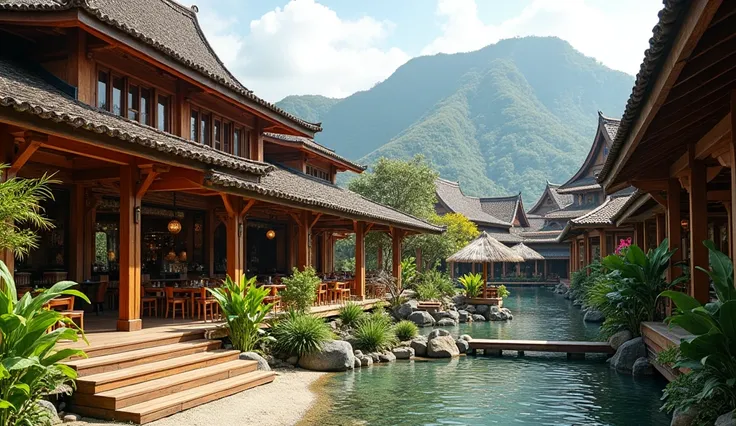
572	349
658	336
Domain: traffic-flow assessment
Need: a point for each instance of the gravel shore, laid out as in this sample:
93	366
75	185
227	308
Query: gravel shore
283	402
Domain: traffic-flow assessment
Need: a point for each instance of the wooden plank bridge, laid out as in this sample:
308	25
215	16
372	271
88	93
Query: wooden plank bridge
572	349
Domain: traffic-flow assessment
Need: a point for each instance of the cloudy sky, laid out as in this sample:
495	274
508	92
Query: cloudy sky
337	47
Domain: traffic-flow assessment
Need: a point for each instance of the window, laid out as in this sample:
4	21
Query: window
204	129
145	106
193	126
121	96
318	173
163	113
133	102
118	87
227	137
102	80
237	135
218	134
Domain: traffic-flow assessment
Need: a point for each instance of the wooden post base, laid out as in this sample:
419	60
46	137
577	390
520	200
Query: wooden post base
129	325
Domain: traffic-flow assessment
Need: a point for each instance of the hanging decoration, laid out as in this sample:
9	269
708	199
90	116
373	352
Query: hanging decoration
174	225
270	234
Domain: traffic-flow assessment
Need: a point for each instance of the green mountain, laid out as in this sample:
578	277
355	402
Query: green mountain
500	120
309	107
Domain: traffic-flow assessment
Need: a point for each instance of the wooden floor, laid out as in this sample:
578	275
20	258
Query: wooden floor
658	336
572	349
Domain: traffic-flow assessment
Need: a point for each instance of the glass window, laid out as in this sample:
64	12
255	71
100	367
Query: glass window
218	134
163	121
102	79
133	104
236	141
246	144
204	129
118	87
226	137
193	133
145	107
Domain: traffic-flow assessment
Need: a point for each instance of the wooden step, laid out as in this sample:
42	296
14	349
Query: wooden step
134	342
118	361
153	370
135	394
170	404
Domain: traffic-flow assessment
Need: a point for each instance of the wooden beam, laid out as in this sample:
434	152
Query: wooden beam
316	218
699	283
603	246
87	150
721	195
235	238
174	184
76	233
228	205
303	240
247	207
674	228
396	237
130	252
143	187
368	227
22	157
650	185
661	228
296	218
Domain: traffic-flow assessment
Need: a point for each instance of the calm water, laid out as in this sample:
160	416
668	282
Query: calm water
536	390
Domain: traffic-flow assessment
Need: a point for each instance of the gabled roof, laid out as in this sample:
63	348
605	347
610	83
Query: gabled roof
452	198
508	209
168	27
582	180
310	145
603	215
551	191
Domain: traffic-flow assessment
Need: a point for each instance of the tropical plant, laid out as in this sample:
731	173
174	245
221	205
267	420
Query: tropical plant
668	356
301	289
374	334
686	391
393	289
503	292
459	231
300	333
472	283
406	330
242	304
711	354
350	314
30	365
408	272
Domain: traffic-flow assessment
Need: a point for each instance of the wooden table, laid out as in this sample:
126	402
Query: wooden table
334	288
274	288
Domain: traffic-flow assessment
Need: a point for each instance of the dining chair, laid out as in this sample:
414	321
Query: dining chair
322	292
69	312
205	301
149	303
172	302
101	296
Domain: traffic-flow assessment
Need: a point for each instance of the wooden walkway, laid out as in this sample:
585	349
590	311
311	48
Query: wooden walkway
572	349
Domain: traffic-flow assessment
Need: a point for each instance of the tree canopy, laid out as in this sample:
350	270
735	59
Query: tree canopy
436	248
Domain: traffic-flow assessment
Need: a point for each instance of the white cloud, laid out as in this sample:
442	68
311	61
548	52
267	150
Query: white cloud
304	48
617	36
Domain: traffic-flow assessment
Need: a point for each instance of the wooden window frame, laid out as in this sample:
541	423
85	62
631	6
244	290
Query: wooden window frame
235	126
318	172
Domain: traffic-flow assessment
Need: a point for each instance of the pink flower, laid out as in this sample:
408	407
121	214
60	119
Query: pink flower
623	245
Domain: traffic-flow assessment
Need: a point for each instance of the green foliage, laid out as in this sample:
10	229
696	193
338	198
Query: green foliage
408	272
308	107
301	289
300	333
406	330
407	186
434	285
436	248
242	305
668	356
21	213
30	365
503	292
710	355
374	333
685	392
473	284
350	314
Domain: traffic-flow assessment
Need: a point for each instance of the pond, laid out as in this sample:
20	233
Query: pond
537	389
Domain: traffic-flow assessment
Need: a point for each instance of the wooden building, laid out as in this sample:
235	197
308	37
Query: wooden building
167	163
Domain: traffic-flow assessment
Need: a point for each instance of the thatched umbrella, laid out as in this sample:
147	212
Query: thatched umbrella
528	254
485	249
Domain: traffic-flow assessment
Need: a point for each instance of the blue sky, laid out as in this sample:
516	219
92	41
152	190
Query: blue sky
337	47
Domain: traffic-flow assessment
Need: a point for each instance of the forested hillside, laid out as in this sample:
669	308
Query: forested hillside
500	120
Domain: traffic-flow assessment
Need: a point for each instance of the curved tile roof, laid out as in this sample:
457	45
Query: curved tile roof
503	208
451	196
603	214
312	145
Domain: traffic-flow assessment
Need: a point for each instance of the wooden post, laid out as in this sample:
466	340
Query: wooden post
674	228
573	263
76	234
472	267
661	232
518	269
646	235
7	148
699	283
586	247
360	259
485	278
639	235
451	266
396	236
303	240
493	271
235	235
544	269
729	224
603	243
212	224
504	269
732	209
419	260
379	257
130	251
536	264
90	224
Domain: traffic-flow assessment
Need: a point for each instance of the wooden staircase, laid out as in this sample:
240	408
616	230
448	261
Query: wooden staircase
144	380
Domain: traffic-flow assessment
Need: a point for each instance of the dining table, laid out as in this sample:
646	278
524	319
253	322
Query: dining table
274	288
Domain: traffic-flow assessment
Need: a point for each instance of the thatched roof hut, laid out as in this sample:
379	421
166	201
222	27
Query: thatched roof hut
526	252
485	249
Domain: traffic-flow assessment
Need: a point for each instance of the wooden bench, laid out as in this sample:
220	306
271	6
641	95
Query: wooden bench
429	306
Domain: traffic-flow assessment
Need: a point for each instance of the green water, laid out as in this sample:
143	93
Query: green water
537	389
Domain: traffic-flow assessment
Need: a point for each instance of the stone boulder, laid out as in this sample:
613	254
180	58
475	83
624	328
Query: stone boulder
726	419
627	354
506	312
620	338
217	333
387	356
365	361
335	355
454	314
464	316
641	367
482	309
683	418
459	300
405	309
421	318
577	302
419	344
357	363
442	347
49	410
71	418
409	294
437	332
593	315
375	356
440	315
462	345
466	337
252	356
479	317
446	322
403	353
470	309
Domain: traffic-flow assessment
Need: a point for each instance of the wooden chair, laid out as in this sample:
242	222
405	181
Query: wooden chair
322	294
149	303
100	296
66	307
205	301
113	295
172	302
343	294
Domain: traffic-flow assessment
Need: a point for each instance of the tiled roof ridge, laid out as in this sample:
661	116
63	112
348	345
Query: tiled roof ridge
311	143
595	210
492	220
659	47
608	119
237	87
504	198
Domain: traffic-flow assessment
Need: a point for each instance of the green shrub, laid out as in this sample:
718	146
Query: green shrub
374	334
350	314
472	283
685	392
668	356
434	285
301	289
30	365
300	333
503	292
406	330
242	305
408	272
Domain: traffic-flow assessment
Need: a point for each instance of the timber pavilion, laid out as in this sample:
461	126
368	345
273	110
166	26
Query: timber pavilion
168	165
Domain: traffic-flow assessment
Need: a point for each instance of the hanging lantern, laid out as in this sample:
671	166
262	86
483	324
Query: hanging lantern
174	226
270	234
183	256
111	256
171	256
